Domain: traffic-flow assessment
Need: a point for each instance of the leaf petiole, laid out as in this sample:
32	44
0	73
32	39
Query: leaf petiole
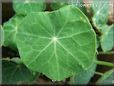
108	53
109	64
99	73
16	60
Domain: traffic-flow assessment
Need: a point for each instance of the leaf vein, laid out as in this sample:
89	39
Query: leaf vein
76	59
41	52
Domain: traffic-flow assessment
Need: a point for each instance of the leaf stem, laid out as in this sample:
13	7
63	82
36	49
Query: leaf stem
109	64
17	60
72	80
108	53
5	59
98	73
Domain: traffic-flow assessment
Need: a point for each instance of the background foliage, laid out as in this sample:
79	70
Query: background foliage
98	17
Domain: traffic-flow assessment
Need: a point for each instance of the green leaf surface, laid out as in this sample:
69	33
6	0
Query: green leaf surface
13	73
100	12
80	4
61	3
107	78
85	76
10	30
28	6
1	36
57	44
56	4
107	42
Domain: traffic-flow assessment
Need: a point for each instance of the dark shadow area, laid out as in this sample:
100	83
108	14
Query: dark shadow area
7	11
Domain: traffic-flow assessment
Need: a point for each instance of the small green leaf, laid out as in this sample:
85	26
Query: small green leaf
57	44
58	4
107	42
1	36
107	78
80	5
61	3
10	30
85	76
100	12
13	73
28	6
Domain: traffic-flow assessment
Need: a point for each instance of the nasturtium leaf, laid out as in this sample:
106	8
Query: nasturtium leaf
80	5
107	42
85	76
13	73
57	44
1	36
107	78
27	6
100	12
56	4
10	30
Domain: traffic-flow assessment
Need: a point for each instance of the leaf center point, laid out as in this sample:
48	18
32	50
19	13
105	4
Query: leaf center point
55	39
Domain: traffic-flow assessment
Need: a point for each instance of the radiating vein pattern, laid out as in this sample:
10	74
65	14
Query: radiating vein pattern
58	44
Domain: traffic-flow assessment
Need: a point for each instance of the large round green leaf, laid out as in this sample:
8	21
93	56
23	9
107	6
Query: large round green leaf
58	43
13	73
28	6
